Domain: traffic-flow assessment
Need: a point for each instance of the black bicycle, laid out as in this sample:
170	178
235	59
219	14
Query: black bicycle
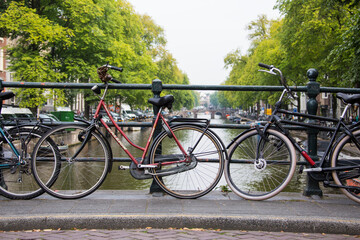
16	145
262	160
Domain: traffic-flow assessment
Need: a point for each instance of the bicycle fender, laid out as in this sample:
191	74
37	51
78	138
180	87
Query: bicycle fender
214	134
258	128
238	136
202	121
201	124
24	125
339	139
187	121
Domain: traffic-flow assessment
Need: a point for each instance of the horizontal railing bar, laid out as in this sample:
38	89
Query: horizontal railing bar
72	85
149	124
172	86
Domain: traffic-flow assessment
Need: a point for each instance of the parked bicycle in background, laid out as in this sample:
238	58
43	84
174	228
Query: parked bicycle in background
16	146
262	160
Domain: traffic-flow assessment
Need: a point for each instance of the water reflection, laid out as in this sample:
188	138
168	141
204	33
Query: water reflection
121	179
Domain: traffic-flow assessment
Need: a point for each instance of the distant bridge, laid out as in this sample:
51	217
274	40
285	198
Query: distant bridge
213	112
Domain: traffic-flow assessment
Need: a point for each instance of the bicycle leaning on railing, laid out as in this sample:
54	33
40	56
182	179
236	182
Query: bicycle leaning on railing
16	145
262	160
186	159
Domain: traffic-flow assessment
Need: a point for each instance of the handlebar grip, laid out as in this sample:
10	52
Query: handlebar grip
265	66
115	81
115	68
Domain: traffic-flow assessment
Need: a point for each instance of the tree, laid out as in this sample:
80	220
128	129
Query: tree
214	100
322	34
31	57
244	68
260	30
313	34
67	40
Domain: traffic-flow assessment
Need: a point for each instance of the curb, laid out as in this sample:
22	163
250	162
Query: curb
249	223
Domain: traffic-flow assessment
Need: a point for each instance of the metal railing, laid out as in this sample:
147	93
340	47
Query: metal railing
312	89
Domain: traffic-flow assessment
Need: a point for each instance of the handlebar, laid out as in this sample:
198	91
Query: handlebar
114	68
275	71
104	76
263	65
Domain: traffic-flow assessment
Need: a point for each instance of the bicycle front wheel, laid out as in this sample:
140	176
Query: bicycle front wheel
194	174
80	165
346	154
16	178
258	168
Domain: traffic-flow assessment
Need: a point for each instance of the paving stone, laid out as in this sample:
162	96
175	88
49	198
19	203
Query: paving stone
169	234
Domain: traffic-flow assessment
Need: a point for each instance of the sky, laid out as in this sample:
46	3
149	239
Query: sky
200	33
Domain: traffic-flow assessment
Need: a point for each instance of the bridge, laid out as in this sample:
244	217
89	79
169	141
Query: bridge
221	112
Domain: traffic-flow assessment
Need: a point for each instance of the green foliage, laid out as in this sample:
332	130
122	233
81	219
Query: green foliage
321	34
66	40
244	68
31	57
31	28
312	30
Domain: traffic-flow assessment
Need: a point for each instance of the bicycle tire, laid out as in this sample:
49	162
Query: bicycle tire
78	177
188	180
262	179
347	154
17	181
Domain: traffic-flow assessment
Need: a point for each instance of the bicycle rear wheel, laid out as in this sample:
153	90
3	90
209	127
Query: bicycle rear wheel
79	174
259	169
196	177
16	179
346	154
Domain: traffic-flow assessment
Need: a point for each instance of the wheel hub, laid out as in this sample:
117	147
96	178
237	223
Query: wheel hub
260	164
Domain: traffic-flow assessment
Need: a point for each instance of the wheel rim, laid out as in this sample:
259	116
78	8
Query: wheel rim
76	177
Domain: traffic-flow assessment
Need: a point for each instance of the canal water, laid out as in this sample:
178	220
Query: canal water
122	180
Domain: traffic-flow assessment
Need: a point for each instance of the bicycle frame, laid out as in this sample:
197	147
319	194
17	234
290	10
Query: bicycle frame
340	127
139	164
4	135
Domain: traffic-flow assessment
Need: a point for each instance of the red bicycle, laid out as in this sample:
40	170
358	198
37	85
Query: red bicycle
186	159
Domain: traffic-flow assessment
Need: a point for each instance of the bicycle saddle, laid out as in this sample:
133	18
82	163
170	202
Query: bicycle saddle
6	95
165	101
349	98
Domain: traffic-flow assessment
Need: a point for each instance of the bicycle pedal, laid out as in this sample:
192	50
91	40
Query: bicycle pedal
121	167
301	169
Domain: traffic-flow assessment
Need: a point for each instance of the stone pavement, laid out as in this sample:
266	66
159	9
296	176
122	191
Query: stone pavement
181	234
143	216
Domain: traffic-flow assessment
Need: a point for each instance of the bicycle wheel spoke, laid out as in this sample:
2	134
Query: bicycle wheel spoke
76	177
197	175
259	169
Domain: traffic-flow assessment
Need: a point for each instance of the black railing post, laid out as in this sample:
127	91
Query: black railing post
156	88
313	89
